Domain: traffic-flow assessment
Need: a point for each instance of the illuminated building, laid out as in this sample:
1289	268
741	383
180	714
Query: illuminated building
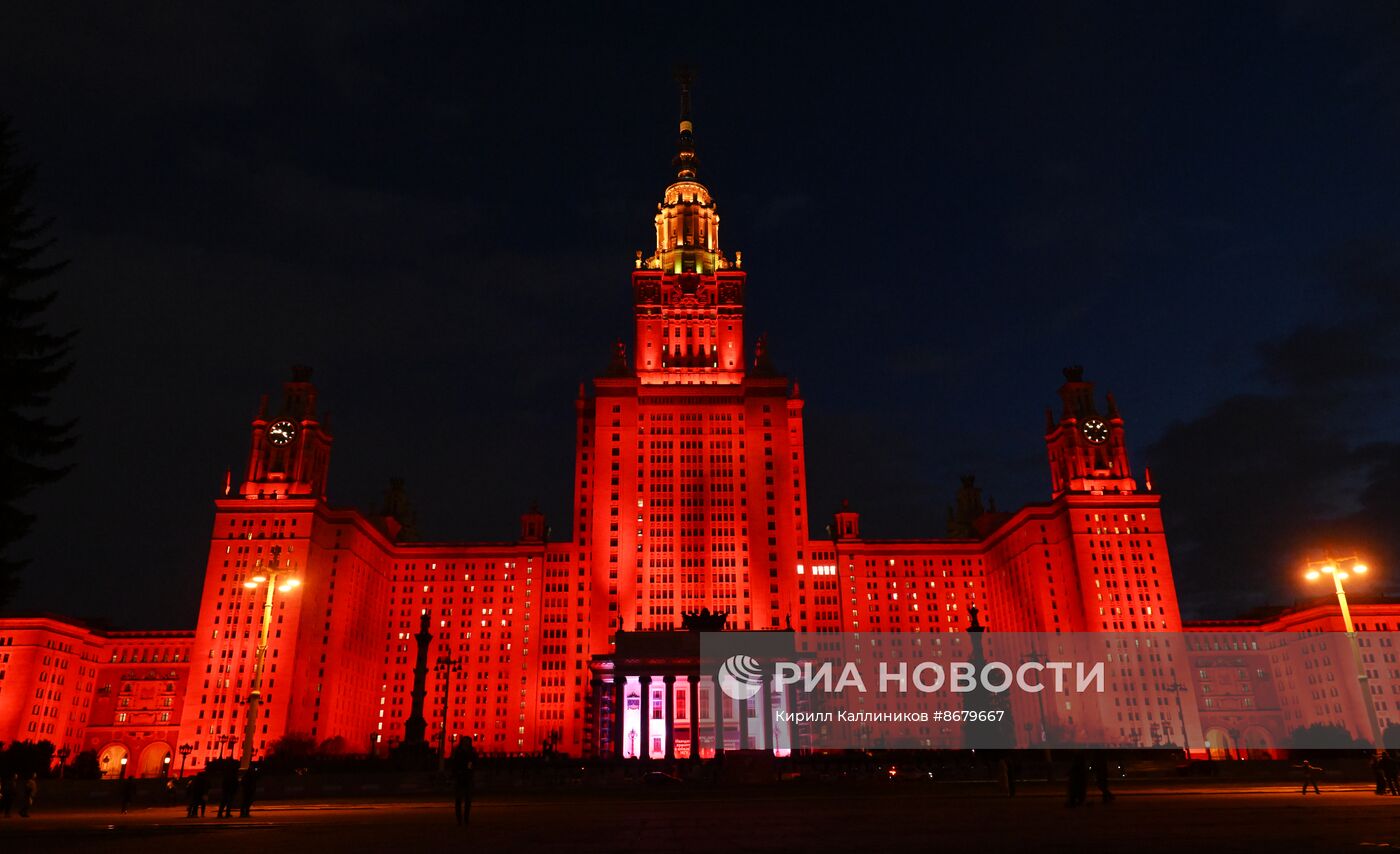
689	493
48	669
137	700
118	694
1265	675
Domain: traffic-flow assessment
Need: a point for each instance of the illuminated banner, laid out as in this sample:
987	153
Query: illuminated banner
1227	694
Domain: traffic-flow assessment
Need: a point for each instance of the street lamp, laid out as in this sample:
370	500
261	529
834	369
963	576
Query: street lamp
270	576
185	751
1035	656
1178	688
1340	569
165	767
446	665
122	776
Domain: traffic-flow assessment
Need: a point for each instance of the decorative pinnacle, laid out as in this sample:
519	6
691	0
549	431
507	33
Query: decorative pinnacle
685	160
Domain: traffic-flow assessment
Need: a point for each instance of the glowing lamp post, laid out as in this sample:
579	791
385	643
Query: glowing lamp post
165	766
63	754
122	776
1340	569
269	576
185	751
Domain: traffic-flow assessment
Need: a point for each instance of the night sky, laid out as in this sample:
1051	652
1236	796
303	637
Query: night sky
438	210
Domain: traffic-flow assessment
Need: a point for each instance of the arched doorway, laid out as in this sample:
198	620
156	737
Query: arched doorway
1258	743
1218	744
152	762
110	760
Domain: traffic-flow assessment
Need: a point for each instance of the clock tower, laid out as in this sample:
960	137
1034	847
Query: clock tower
291	449
1086	449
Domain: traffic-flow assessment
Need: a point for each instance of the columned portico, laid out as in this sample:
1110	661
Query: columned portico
660	707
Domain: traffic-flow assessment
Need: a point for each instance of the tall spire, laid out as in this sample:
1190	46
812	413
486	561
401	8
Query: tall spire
685	160
689	299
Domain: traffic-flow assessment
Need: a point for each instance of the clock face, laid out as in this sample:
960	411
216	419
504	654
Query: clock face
282	432
1095	431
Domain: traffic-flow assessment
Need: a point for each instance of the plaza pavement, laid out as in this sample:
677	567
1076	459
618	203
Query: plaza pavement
1183	817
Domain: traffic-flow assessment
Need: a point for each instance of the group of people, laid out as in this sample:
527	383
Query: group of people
233	790
17	793
1387	770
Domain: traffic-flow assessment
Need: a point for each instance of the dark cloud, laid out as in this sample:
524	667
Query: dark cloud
1262	481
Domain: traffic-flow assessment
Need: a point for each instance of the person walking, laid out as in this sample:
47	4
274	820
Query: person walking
228	792
1390	769
1007	769
249	788
1310	775
198	791
28	790
463	778
1078	783
1101	775
190	809
128	789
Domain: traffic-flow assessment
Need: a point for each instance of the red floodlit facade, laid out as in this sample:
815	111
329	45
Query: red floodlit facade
1256	683
690	492
136	703
118	694
48	669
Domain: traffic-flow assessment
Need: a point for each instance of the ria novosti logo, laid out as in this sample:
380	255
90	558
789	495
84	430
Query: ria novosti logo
740	677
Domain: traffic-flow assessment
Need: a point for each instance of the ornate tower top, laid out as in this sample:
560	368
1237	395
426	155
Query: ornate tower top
687	223
1077	395
688	298
685	161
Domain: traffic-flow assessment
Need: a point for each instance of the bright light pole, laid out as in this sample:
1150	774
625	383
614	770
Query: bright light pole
1341	569
268	575
185	751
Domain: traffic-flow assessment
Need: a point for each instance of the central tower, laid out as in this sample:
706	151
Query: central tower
689	298
690	483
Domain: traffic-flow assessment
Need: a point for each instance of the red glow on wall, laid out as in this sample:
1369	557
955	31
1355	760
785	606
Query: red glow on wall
690	493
